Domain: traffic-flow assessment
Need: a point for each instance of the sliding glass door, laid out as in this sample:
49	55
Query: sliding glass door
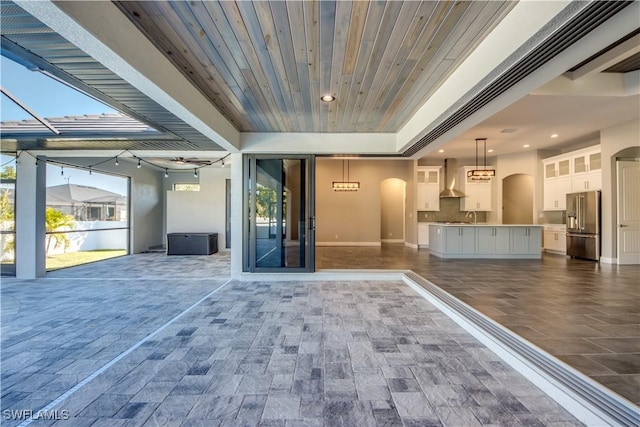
279	226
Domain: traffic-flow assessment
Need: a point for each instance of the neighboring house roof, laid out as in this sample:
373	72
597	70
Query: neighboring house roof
69	194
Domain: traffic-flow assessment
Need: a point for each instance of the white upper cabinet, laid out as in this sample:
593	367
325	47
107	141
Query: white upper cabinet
478	192
428	188
587	171
572	172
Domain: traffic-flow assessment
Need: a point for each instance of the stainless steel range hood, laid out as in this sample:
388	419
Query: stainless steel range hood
450	176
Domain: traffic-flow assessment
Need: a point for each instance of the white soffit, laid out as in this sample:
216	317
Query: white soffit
319	143
118	45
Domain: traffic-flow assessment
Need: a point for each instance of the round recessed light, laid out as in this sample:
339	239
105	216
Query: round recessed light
490	151
328	98
441	151
526	146
554	135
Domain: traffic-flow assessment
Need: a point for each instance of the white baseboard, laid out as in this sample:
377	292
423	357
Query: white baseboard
348	244
607	260
411	245
392	240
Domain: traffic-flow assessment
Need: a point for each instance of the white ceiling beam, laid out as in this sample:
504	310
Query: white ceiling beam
619	53
102	31
319	143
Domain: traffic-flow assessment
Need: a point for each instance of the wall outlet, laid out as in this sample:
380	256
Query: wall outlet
426	216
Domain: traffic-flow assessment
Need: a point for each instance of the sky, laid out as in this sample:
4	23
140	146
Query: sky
42	94
50	98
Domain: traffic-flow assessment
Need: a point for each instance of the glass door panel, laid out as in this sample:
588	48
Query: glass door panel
279	208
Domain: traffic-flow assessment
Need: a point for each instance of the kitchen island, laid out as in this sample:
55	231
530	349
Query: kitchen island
456	240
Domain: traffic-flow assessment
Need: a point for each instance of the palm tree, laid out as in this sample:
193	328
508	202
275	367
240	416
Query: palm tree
54	220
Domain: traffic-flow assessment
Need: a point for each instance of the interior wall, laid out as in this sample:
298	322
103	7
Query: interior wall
200	211
517	199
392	193
613	140
527	163
354	218
146	199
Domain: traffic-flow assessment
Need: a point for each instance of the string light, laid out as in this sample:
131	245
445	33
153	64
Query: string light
114	158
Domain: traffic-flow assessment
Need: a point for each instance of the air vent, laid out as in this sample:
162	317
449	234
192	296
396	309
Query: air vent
593	15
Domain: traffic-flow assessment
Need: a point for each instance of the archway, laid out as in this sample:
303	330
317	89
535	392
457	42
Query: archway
392	208
517	199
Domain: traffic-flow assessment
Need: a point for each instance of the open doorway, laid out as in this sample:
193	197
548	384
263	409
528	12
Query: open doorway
517	199
392	205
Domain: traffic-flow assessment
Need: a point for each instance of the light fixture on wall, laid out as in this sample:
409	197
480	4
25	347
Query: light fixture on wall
345	185
483	174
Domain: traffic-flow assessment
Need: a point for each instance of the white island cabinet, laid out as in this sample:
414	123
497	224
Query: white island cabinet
485	241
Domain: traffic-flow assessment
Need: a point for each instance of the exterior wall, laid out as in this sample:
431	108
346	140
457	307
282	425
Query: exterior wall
344	218
613	140
200	211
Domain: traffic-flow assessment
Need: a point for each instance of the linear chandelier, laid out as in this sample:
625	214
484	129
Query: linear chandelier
346	185
483	174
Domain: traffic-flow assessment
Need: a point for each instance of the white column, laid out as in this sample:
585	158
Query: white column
30	214
237	215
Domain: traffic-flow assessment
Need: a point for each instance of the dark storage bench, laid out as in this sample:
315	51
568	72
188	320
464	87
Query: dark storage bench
192	243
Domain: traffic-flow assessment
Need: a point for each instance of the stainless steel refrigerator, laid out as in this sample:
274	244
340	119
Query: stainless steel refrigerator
583	225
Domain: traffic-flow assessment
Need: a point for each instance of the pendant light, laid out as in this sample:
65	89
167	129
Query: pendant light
346	185
483	174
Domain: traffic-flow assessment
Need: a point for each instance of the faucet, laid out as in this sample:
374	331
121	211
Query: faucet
475	217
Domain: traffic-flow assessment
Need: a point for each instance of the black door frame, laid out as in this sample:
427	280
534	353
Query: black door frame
307	223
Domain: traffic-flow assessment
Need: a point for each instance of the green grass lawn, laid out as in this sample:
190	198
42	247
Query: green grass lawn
71	259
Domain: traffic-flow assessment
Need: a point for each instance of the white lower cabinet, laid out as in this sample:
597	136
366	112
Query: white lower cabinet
555	239
492	240
526	240
423	234
459	240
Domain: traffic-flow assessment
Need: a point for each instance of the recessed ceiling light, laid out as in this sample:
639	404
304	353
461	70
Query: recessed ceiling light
328	98
526	146
441	151
554	135
490	151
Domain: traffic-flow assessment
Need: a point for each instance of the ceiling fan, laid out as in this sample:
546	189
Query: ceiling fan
191	161
179	162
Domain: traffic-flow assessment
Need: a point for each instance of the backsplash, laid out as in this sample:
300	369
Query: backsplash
449	211
554	217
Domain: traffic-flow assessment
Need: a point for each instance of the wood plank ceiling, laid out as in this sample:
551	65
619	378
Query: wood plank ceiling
265	65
